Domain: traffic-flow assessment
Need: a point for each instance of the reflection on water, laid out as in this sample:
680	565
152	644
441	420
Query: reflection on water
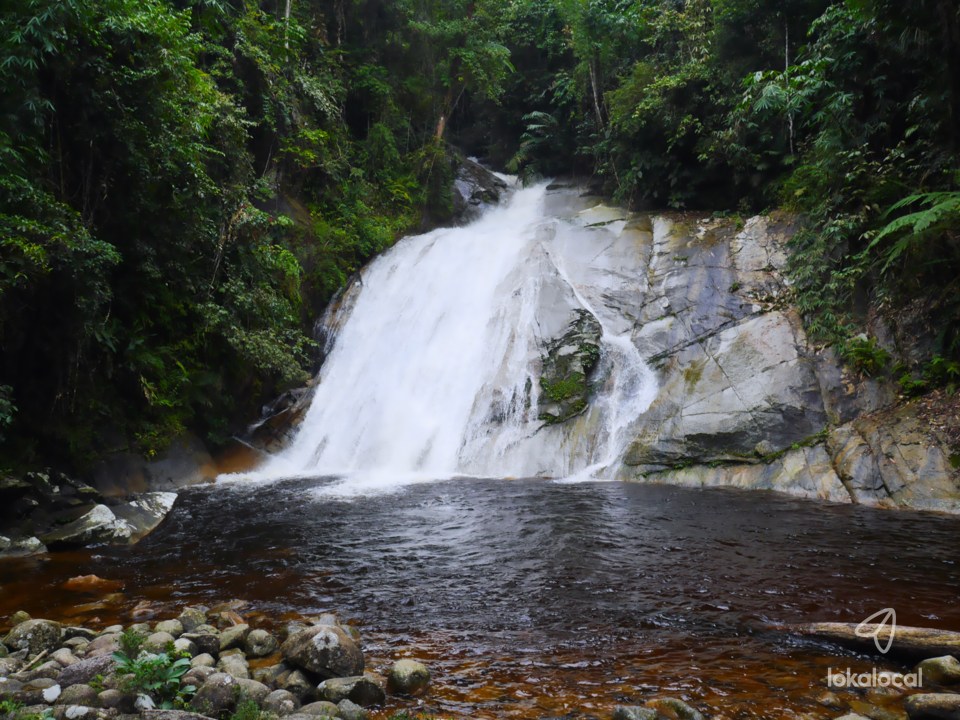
534	599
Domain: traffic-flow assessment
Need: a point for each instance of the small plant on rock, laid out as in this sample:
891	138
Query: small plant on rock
157	677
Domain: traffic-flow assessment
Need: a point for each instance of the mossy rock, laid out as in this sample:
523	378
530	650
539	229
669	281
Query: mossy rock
567	366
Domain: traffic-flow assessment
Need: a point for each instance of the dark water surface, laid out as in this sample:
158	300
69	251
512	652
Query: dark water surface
532	599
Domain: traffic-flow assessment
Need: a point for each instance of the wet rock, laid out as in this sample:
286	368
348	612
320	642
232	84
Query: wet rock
234	663
191	618
86	670
185	462
20	546
674	708
281	702
943	670
325	650
233	637
158	642
92	584
78	695
74	633
933	706
349	710
143	514
34	636
96	526
322	708
852	716
174	628
633	712
365	690
474	188
20	616
217	695
206	642
260	643
567	365
408	677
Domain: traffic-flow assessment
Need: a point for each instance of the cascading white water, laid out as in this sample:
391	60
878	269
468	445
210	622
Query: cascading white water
435	367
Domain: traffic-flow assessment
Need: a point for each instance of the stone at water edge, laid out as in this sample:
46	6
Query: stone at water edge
408	677
625	712
97	525
172	627
260	643
935	706
326	650
671	707
35	636
365	690
349	710
233	637
191	618
944	670
20	616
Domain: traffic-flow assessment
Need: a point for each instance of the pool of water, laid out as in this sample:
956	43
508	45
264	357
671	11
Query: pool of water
534	599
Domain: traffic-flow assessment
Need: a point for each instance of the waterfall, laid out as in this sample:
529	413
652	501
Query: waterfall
434	371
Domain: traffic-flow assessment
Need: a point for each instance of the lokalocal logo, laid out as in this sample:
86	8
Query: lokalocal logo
874	627
882	627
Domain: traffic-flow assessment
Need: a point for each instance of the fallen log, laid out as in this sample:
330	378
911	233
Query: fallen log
910	643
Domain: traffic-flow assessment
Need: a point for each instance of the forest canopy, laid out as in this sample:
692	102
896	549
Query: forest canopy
186	183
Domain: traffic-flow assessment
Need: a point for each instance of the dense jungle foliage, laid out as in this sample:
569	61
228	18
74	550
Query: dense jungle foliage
185	183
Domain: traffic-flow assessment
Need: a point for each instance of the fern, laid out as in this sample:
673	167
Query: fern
940	210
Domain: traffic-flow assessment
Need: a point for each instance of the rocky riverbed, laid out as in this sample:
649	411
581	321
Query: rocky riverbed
211	663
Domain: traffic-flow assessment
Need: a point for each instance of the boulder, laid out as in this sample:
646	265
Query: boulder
322	708
104	645
281	702
191	618
20	546
64	657
158	642
234	663
174	628
233	637
206	642
217	695
408	677
203	660
86	670
298	684
78	695
933	706
182	645
365	690
253	690
567	367
171	715
34	636
96	526
634	712
349	710
673	708
326	650
944	670
259	643
113	699
144	513
185	462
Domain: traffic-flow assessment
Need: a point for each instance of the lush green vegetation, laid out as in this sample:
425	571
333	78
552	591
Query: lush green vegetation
185	183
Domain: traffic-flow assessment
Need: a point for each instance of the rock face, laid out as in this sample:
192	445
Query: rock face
326	650
474	189
567	366
745	400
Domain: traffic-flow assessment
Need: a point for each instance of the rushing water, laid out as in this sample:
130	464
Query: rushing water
435	368
531	598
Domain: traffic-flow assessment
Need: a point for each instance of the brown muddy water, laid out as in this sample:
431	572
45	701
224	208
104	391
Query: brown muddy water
531	599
